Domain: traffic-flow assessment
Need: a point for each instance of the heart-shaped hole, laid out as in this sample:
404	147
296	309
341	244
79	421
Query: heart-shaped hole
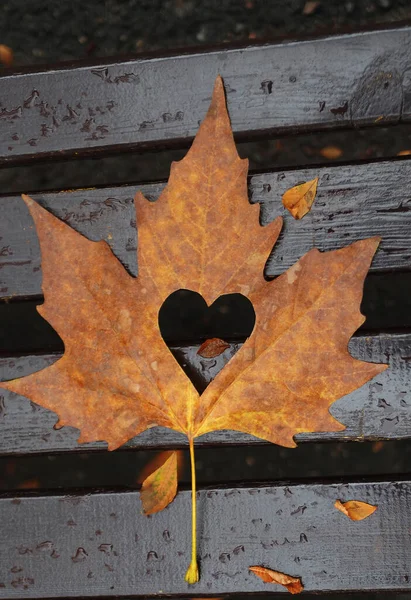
186	322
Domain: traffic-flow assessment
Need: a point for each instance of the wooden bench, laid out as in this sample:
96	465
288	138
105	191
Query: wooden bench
99	544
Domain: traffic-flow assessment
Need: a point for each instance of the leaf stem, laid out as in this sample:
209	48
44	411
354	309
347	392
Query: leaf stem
192	575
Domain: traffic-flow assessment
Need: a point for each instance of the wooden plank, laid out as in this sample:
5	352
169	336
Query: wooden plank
100	544
340	81
380	409
353	202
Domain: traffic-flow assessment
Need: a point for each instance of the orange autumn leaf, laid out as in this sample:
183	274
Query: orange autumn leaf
117	377
29	484
212	347
404	153
293	584
299	199
355	509
6	55
160	488
331	152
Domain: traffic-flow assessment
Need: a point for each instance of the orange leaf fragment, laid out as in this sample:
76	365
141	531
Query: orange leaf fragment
157	460
160	488
293	584
212	347
299	199
6	55
404	153
331	152
355	509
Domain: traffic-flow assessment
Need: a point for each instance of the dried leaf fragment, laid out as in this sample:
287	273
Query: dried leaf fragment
6	55
157	461
160	488
299	199
293	584
212	347
355	509
404	153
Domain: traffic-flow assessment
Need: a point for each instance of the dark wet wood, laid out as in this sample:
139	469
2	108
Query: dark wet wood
353	202
100	544
380	409
342	81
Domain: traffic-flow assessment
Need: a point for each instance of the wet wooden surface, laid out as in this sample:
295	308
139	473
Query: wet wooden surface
353	202
100	544
381	409
341	81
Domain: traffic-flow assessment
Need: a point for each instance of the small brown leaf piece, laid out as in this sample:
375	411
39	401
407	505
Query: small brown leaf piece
160	488
6	55
299	199
212	347
293	584
355	509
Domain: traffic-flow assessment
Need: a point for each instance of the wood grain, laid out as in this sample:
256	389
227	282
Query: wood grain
380	409
100	544
341	81
353	202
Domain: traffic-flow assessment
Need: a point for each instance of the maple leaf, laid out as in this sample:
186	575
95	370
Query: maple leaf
117	377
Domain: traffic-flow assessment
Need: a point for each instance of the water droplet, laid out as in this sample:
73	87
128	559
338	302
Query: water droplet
80	555
45	546
24	550
107	548
16	569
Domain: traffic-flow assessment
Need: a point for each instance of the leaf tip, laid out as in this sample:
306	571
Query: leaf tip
218	83
218	97
28	199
